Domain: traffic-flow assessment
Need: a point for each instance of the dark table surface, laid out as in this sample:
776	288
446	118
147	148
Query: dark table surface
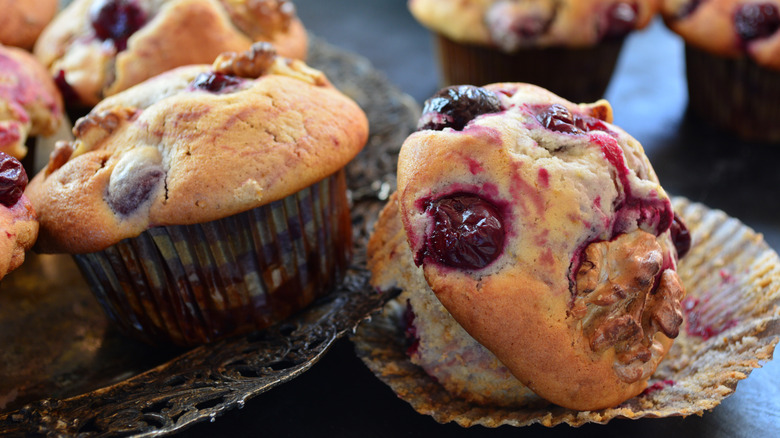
339	396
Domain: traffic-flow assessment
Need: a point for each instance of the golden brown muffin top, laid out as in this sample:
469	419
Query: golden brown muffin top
515	24
30	103
730	28
22	21
192	145
97	48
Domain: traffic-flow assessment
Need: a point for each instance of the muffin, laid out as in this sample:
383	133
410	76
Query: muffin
30	104
570	47
22	21
732	50
542	231
17	218
96	48
209	200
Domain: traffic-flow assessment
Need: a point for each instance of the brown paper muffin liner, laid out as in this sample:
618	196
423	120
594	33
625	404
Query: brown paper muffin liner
732	324
192	284
737	95
549	68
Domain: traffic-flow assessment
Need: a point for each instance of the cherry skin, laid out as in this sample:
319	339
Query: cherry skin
558	118
116	20
681	238
756	20
468	232
13	180
214	82
454	107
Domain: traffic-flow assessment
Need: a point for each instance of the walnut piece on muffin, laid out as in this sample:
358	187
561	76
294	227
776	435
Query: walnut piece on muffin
543	231
97	48
30	103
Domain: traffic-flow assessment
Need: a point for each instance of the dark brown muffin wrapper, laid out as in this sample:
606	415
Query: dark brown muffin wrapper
192	284
550	67
734	94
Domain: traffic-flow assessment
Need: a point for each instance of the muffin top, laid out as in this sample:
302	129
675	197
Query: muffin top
730	28
30	103
17	218
22	21
515	24
194	144
96	48
542	228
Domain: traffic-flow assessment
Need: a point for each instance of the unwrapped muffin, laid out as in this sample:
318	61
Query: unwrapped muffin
568	46
732	50
535	247
30	104
22	21
209	200
96	48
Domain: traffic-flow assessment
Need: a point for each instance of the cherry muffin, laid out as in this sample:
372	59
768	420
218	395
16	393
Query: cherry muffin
96	48
732	50
22	21
30	104
536	249
208	200
17	218
540	41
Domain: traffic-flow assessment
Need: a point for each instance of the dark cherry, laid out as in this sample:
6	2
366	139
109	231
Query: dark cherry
68	93
454	107
116	20
13	180
126	197
681	238
756	20
214	82
468	231
621	19
558	118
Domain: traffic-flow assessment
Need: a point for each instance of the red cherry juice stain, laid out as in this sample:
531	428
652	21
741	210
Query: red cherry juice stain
657	386
544	178
492	136
410	331
474	166
522	191
698	321
726	277
9	135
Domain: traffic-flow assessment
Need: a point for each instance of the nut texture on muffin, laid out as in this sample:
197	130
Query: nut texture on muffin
195	144
543	230
96	48
30	103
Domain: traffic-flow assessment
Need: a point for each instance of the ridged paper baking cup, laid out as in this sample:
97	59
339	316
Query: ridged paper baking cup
734	94
191	284
732	324
549	67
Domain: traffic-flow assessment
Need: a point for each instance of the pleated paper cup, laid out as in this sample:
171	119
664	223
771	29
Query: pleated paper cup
732	324
576	74
192	284
736	95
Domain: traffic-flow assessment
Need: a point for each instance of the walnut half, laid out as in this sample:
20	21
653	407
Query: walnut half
624	297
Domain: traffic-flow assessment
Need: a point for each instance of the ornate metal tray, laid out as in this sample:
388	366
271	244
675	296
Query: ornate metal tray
65	371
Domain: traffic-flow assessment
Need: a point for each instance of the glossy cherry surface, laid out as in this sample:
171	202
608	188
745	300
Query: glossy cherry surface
454	107
756	20
13	180
214	82
116	20
468	231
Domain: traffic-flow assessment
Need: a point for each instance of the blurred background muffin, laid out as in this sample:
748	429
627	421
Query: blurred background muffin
96	48
569	46
22	21
732	51
30	104
209	200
